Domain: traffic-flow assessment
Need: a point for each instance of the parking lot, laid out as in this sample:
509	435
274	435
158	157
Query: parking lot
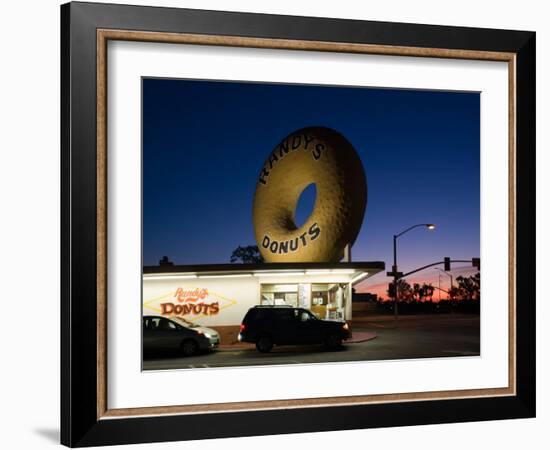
426	336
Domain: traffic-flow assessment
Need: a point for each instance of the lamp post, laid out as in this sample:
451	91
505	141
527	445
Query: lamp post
396	275
450	275
449	293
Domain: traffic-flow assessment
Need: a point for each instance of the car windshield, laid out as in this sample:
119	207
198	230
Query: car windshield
184	323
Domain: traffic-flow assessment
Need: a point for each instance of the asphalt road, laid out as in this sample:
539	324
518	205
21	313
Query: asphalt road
448	335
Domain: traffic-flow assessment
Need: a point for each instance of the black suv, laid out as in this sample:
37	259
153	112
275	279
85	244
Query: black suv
266	326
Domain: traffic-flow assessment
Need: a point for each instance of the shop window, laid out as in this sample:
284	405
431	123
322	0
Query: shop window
328	300
325	300
279	294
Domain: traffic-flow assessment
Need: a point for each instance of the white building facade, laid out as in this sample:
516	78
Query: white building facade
220	296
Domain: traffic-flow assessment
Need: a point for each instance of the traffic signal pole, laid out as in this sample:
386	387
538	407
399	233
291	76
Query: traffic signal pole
447	263
398	275
395	278
395	273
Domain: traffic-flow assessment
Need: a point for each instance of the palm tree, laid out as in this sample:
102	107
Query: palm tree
454	293
428	290
469	287
417	292
404	288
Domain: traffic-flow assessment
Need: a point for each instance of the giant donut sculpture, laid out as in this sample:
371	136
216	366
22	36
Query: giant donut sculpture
311	155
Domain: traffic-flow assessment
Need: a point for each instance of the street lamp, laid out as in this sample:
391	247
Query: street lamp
446	273
450	290
396	275
439	287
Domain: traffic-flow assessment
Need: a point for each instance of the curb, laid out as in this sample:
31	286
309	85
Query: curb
357	337
361	336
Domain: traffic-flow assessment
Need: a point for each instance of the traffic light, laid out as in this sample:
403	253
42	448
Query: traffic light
446	264
476	262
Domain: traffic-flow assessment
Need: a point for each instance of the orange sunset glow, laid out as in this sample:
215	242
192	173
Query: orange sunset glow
378	284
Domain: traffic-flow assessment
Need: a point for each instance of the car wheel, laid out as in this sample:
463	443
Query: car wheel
264	344
333	341
189	347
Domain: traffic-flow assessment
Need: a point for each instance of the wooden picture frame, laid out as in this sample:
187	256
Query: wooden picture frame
86	418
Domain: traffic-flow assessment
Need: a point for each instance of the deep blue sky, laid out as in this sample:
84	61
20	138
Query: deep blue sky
204	144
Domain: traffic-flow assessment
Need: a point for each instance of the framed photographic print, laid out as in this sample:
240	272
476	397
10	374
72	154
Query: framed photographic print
276	224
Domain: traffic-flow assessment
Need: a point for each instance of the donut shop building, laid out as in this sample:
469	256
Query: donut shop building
218	296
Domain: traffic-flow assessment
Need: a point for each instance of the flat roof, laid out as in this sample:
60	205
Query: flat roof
359	266
353	269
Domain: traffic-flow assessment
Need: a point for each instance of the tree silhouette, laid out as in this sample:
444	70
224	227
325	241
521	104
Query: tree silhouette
247	255
429	291
454	293
469	287
405	292
417	292
165	261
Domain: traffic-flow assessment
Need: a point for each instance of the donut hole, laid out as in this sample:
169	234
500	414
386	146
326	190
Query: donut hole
305	205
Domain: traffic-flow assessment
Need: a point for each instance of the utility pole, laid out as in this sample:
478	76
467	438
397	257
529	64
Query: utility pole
395	278
397	275
450	275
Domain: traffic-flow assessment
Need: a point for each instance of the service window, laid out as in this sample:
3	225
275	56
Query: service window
279	294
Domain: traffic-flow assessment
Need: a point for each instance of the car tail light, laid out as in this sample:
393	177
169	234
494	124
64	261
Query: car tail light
242	327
